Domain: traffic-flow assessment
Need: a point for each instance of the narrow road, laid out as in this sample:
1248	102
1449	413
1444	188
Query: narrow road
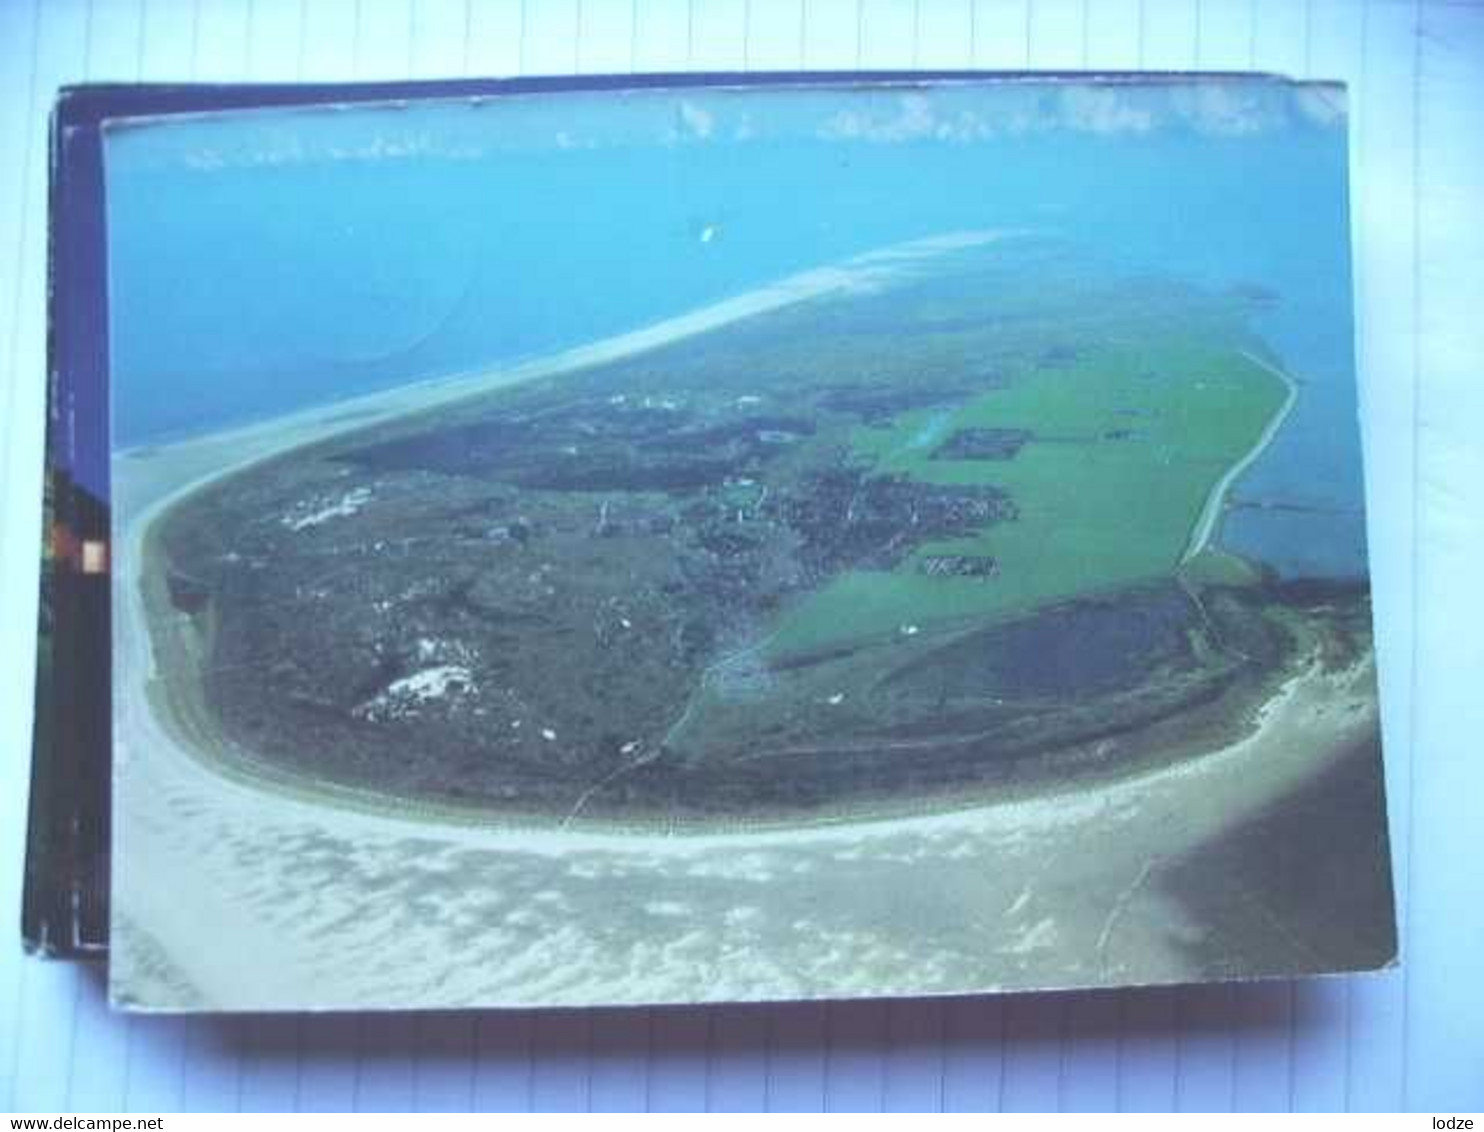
1205	526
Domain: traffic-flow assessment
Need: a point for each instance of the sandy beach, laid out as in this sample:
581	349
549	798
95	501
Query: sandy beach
230	894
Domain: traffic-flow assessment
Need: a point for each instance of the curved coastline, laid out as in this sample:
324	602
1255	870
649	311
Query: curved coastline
185	886
151	481
200	462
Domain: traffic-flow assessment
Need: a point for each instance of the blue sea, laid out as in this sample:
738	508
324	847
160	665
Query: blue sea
261	262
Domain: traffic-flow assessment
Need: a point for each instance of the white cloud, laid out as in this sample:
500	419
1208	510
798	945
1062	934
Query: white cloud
280	149
1102	110
696	121
1226	109
1082	107
205	158
1323	105
911	118
954	115
1213	107
965	126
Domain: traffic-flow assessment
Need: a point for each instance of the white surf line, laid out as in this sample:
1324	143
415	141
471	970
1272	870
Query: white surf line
1205	527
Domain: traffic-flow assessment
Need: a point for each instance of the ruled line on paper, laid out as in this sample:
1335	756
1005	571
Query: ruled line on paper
210	1062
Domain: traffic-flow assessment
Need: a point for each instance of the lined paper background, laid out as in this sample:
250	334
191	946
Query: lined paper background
1410	1038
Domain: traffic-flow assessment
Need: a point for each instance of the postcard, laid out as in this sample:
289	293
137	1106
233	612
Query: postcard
684	540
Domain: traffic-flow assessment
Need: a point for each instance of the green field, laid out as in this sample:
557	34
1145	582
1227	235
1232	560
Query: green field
1128	444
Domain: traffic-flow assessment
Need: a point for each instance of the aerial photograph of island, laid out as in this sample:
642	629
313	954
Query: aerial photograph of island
739	542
